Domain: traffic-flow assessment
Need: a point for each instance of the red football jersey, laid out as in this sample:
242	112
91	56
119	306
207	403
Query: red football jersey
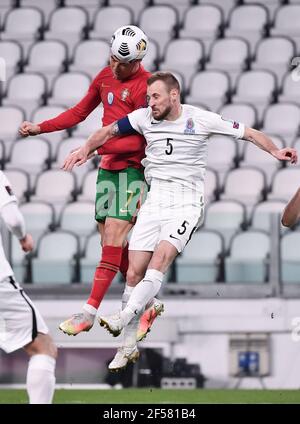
119	98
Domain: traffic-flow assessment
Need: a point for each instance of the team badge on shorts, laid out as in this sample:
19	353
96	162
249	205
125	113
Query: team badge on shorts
190	127
110	98
124	94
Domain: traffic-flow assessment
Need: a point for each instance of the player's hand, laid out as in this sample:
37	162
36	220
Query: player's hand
28	128
76	157
287	154
27	243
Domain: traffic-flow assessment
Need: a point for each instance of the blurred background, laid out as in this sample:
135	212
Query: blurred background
232	299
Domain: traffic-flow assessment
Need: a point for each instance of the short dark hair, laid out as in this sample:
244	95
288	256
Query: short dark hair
169	79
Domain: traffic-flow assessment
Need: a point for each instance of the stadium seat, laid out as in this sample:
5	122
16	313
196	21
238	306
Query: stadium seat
262	213
55	186
285	184
221	154
79	218
23	25
200	260
88	191
91	124
271	5
248	258
69	88
48	58
12	53
108	20
136	6
282	119
253	156
225	216
10	118
210	88
202	22
20	183
287	22
230	55
90	57
181	6
31	155
257	88
90	6
64	148
185	64
55	265
67	24
39	218
240	112
290	257
274	54
27	91
151	59
246	185
211	185
159	23
2	154
91	258
248	21
290	88
48	112
46	7
225	5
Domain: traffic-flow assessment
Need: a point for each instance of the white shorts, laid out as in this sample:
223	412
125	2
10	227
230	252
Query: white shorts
175	225
20	321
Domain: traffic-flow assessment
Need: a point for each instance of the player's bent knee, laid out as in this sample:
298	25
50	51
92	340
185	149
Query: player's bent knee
42	344
133	277
115	233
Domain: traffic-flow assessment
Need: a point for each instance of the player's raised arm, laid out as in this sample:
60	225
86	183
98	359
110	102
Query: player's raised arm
95	140
264	142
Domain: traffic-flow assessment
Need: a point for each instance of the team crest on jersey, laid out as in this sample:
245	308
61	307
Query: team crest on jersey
190	127
124	94
110	98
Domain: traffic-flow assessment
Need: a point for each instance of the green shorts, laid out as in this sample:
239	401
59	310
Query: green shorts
119	194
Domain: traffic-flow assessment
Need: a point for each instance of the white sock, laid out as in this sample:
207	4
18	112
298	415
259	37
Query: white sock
40	381
126	295
142	294
89	310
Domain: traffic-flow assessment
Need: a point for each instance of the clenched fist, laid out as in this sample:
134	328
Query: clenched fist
28	128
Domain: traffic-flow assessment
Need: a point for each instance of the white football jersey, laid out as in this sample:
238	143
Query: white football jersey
6	196
177	150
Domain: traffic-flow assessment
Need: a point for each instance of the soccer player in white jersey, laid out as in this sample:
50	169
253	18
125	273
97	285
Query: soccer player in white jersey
21	325
177	137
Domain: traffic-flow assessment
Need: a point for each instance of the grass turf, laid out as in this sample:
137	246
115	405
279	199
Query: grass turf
157	396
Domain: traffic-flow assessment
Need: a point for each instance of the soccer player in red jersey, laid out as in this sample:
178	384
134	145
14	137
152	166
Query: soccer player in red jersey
121	87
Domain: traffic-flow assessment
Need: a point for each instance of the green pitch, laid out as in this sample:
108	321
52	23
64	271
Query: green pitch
160	396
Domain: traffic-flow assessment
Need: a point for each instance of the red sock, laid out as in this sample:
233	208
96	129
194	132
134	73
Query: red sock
105	272
124	261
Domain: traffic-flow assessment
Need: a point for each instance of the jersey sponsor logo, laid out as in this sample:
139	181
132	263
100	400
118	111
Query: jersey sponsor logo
9	190
189	126
110	98
124	94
